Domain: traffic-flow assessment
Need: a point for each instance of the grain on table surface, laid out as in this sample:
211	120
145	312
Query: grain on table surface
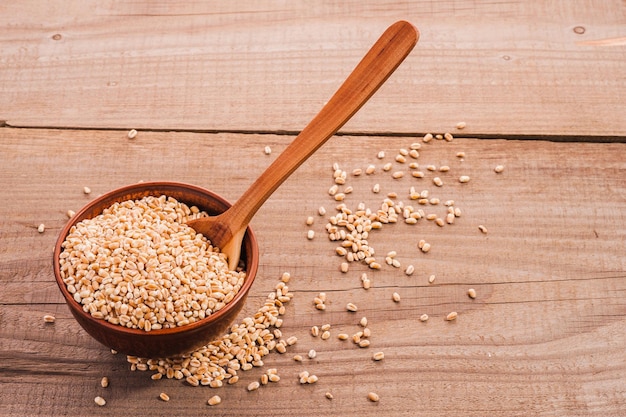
545	329
209	85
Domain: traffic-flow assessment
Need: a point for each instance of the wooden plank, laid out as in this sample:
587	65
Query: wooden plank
512	68
543	337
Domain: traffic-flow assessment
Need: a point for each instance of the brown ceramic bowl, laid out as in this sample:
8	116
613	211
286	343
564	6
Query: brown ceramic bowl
163	342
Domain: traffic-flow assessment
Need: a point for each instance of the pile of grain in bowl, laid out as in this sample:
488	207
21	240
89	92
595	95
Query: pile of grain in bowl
140	266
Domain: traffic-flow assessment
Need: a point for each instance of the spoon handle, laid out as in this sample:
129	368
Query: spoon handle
376	66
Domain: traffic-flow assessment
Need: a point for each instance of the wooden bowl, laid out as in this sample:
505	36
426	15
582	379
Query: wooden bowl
162	342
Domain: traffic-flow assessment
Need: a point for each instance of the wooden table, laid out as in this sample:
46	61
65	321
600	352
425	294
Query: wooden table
541	87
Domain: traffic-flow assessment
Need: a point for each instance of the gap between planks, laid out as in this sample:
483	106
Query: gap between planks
456	133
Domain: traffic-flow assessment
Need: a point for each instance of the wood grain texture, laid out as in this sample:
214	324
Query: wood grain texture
544	337
528	68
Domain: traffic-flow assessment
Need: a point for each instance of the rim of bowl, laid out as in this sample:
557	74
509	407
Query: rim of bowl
251	258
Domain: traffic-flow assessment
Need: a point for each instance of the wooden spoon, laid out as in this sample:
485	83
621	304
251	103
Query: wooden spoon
226	230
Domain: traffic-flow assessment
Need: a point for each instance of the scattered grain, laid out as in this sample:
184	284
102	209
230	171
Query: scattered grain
357	171
274	377
451	316
192	380
471	293
100	401
214	400
253	386
163	396
482	228
351	307
460	154
370	169
325	335
41	228
49	318
498	169
310	234
424	317
315	331
461	125
86	190
312	354
417	174
395	297
376	188
329	395
438	181
409	270
343	336
344	267
448	136
387	167
264	379
431	279
426	247
427	137
380	155
70	214
373	397
464	179
104	382
132	134
378	356
267	150
364	343
375	265
363	321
